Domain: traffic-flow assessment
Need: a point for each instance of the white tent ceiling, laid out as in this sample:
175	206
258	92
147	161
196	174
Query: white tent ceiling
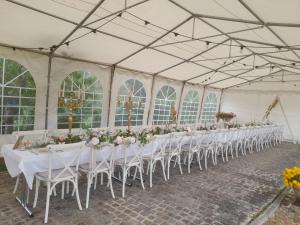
218	43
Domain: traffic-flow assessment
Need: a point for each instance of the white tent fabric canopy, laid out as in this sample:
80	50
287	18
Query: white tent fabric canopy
246	52
195	41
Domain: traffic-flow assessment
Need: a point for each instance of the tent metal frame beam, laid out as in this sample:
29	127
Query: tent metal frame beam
248	21
221	67
117	12
232	38
267	26
235	76
211	36
187	60
154	41
250	81
79	25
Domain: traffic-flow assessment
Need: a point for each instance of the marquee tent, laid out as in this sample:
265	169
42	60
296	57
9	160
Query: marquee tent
235	55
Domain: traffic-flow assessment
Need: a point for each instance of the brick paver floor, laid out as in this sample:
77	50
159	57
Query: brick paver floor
229	193
287	213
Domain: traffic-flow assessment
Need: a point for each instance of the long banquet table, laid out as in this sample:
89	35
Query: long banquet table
28	162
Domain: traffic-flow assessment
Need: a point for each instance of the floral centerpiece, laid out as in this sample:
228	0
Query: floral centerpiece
225	116
291	178
144	137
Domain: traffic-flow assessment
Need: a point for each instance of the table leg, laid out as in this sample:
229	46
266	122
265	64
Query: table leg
22	200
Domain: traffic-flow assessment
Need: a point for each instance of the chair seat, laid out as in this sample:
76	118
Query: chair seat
85	168
66	174
121	162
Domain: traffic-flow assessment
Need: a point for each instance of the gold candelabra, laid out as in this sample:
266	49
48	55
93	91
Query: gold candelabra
173	114
129	105
71	103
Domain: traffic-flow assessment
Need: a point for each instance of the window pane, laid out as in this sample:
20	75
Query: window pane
137	93
84	83
18	100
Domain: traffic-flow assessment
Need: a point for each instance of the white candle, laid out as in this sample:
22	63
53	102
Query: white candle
83	92
72	85
79	92
64	89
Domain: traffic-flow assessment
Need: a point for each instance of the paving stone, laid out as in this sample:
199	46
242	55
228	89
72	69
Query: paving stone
229	193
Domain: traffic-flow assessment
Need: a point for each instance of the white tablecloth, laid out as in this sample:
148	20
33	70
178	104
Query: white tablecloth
30	163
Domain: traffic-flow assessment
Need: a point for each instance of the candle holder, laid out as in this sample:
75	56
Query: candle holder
70	103
173	114
129	104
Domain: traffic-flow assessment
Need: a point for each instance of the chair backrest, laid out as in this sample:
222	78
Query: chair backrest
131	153
64	156
176	140
33	135
102	158
159	144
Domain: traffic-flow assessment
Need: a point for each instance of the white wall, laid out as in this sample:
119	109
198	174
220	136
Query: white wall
37	64
250	105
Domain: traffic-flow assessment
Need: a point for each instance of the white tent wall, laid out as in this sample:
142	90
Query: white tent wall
185	91
158	84
251	105
120	76
37	65
207	91
60	69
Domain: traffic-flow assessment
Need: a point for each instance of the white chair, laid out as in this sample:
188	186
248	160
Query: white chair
193	148
63	166
130	156
34	136
157	154
101	162
174	151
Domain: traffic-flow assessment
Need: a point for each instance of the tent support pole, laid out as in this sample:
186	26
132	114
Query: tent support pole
179	103
48	89
112	74
151	99
201	105
220	101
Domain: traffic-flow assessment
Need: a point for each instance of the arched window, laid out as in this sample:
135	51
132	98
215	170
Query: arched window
136	90
190	108
165	98
89	115
209	108
17	97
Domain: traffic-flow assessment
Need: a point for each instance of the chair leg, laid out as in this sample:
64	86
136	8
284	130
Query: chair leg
151	168
37	186
101	178
168	168
205	159
47	202
62	190
96	179
68	187
199	160
141	177
77	193
110	184
124	181
17	184
88	189
163	168
179	163
189	163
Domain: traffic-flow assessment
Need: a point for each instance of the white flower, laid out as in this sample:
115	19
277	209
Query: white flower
148	137
95	141
101	132
119	140
132	140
